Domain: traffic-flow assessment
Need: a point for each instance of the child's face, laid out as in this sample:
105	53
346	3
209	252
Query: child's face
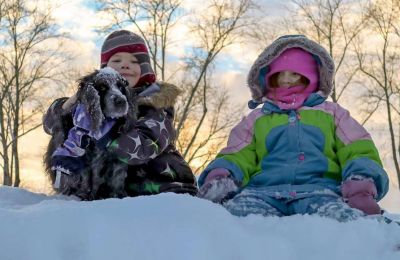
289	79
127	65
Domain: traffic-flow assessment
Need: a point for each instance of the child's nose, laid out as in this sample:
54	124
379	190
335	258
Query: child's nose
286	78
125	65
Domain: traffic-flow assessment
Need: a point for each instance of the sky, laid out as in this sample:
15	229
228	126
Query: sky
180	227
79	19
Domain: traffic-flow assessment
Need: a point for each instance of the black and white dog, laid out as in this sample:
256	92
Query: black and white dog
105	94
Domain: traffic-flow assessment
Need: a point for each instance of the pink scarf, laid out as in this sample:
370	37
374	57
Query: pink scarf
292	97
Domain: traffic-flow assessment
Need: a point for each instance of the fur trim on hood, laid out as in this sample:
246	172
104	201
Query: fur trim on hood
326	66
164	98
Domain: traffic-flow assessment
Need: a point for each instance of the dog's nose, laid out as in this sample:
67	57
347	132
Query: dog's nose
119	100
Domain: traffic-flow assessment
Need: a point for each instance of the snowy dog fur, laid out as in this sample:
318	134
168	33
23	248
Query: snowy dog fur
104	93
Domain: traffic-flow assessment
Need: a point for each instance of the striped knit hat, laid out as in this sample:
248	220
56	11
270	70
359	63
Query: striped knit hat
126	41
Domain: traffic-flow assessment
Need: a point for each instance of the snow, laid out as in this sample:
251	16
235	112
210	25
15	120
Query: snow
109	75
391	202
108	72
172	226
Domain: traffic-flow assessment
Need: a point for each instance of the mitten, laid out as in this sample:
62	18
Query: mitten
218	186
81	119
69	158
215	173
360	194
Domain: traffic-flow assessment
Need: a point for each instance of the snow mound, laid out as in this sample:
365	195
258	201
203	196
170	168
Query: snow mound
172	226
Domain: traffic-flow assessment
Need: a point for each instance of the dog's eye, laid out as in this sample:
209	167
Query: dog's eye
102	87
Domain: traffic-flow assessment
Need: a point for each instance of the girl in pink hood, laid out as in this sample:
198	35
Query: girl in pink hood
293	76
297	153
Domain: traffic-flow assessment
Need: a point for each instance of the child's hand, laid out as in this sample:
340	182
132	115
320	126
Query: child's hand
217	186
69	103
360	194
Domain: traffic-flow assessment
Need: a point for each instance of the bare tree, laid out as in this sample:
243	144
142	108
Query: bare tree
396	27
334	24
214	29
382	66
26	66
153	19
2	9
212	116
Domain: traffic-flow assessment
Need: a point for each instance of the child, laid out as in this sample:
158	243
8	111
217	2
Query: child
154	164
298	153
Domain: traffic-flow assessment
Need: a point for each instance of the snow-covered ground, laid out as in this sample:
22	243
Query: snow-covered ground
171	226
391	201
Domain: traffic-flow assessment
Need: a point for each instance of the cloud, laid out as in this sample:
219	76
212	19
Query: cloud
79	21
235	83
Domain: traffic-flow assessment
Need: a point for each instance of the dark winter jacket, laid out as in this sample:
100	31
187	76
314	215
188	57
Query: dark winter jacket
154	164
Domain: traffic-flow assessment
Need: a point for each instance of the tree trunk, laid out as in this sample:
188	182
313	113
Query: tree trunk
393	140
6	163
16	164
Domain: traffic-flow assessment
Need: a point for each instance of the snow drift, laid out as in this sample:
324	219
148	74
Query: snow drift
172	226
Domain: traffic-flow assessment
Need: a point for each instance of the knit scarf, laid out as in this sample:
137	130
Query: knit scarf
292	97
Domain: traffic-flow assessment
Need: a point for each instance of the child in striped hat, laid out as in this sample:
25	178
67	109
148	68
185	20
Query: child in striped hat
127	53
148	148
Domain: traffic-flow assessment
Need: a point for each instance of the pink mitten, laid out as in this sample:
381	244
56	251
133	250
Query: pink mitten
360	194
215	173
217	186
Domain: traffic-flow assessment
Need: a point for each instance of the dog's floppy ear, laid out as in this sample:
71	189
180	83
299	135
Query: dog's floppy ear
89	97
131	116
